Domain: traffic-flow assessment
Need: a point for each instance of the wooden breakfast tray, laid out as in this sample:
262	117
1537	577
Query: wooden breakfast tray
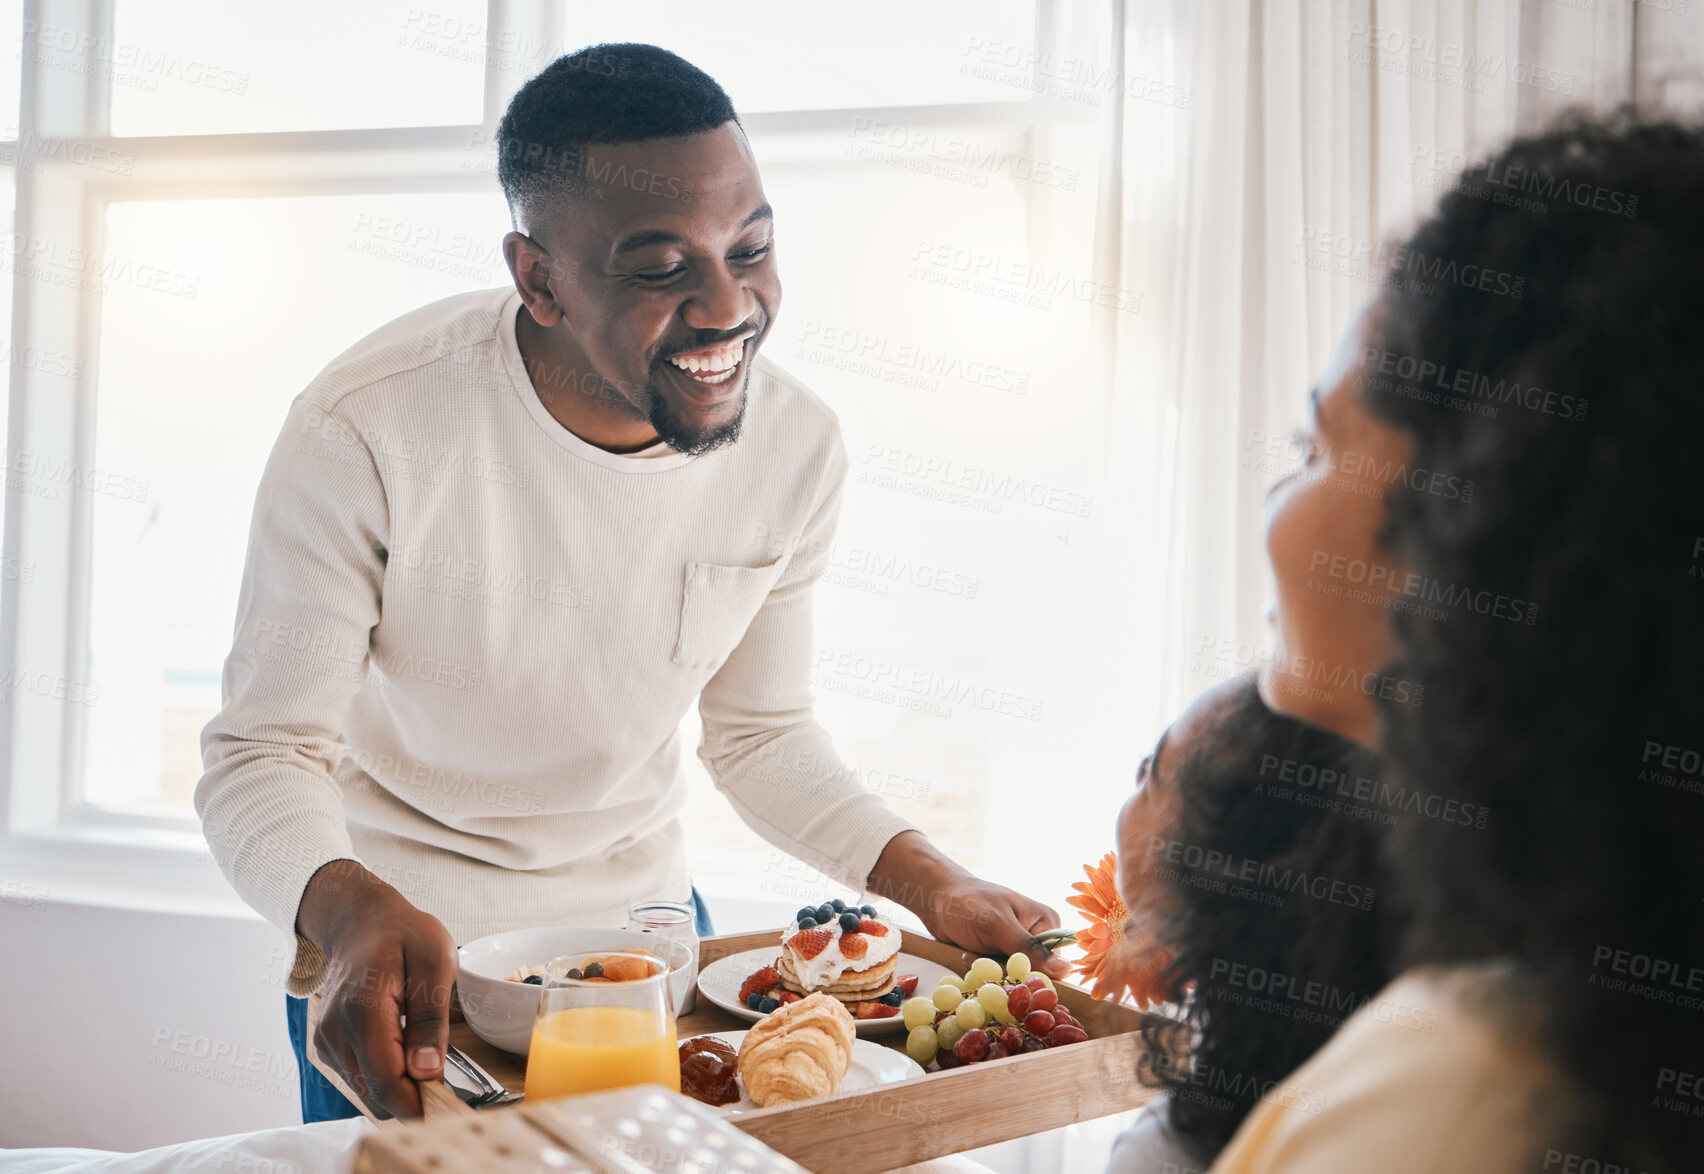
891	1125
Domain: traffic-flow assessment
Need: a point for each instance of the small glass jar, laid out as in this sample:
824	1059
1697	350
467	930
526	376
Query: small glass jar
678	922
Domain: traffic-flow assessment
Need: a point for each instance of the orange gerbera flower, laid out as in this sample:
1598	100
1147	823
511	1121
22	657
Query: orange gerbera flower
1120	960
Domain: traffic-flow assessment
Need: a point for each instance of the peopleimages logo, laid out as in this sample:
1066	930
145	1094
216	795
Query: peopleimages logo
1472	385
1306	1000
1355	792
1382	261
1354	472
1216	866
1417	592
1451	62
1514	186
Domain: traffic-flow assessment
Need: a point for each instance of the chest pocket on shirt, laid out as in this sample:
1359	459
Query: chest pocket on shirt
716	609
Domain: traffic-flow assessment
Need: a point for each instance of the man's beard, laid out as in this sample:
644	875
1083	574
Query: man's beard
684	436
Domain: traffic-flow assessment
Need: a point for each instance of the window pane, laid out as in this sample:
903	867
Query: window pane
784	55
212	67
12	575
196	374
11	57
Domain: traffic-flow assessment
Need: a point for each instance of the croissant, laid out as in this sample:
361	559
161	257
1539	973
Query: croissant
798	1051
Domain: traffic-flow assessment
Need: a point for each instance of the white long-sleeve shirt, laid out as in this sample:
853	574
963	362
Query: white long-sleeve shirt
466	640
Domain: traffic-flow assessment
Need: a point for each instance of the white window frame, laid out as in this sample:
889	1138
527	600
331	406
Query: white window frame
50	838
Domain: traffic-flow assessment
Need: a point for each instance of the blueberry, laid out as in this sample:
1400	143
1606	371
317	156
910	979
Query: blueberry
894	997
807	922
824	914
752	1001
804	913
849	922
534	979
867	910
767	1005
595	970
839	905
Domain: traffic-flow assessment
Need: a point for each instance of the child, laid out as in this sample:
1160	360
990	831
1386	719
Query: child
1240	855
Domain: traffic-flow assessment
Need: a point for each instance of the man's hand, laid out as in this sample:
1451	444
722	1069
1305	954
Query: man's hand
386	960
957	907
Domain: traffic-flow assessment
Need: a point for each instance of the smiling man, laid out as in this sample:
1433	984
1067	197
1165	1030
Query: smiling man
501	547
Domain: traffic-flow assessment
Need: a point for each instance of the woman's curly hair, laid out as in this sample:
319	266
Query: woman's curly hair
1564	686
1261	787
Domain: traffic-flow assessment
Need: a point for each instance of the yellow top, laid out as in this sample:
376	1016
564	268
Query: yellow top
1423	1078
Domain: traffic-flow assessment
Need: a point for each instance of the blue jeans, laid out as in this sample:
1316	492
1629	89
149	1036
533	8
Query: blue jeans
320	1099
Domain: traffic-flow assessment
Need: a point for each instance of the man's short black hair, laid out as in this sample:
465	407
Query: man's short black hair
614	93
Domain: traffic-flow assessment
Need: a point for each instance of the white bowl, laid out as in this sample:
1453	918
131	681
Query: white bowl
502	1012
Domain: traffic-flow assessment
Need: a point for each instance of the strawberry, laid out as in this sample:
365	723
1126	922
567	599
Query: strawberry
874	928
808	943
853	946
909	982
871	1010
760	980
787	997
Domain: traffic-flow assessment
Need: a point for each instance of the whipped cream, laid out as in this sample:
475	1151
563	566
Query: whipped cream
828	966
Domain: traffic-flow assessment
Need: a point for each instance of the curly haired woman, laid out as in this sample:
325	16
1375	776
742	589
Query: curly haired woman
1552	620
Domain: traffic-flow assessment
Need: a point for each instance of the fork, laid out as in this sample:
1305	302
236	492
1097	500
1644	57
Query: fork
486	1091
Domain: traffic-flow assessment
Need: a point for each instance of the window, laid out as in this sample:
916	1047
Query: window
270	288
216	200
189	67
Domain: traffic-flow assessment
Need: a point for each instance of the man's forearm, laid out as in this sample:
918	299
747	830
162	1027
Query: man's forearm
911	870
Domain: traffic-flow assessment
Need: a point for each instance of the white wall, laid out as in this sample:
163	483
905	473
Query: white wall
99	1005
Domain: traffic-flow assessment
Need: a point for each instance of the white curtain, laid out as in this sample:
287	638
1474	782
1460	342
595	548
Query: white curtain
1251	137
1317	128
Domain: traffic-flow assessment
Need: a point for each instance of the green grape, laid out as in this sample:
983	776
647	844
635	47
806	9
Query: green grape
953	981
992	996
917	1013
1018	966
985	970
922	1044
1004	1017
947	997
971	1014
948	1031
1047	981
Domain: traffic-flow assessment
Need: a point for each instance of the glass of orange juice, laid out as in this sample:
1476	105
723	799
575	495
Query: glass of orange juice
608	1029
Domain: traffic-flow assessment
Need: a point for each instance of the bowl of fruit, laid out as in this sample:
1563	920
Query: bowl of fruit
502	975
992	1012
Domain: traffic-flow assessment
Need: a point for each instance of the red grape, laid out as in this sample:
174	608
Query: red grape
996	1053
949	1059
1012	1039
1067	1033
972	1046
1018	1001
1043	1000
1032	1044
1035	982
1038	1023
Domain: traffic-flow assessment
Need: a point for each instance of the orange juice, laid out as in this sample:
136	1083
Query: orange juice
584	1049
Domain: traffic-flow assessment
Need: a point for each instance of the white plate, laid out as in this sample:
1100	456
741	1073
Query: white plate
871	1064
720	982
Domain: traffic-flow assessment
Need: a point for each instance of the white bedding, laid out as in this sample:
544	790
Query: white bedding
296	1149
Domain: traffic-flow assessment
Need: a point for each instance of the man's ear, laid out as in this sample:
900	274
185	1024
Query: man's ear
532	267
